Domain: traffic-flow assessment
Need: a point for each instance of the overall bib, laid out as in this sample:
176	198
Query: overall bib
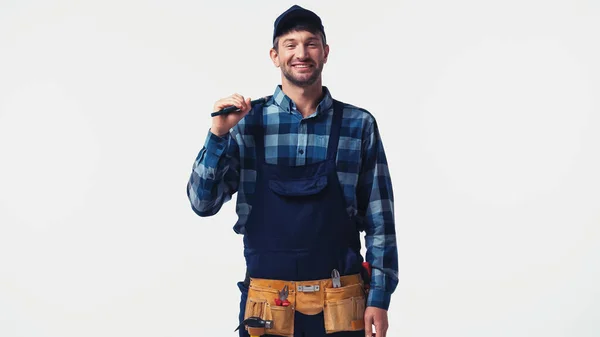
299	228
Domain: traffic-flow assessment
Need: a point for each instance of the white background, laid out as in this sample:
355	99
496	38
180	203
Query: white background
489	111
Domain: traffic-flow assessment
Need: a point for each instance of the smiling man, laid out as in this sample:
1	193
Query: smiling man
311	174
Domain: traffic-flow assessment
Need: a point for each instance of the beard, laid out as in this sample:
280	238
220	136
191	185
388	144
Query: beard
302	81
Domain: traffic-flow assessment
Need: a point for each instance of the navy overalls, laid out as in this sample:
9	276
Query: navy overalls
299	228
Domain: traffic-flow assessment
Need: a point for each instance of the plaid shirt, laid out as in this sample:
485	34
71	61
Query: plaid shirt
226	165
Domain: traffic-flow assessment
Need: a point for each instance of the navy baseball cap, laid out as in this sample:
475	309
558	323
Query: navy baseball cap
295	15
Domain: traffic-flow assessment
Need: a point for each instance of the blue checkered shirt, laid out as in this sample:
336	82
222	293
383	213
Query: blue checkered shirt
226	165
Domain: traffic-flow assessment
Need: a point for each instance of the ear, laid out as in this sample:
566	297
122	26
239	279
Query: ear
326	50
274	57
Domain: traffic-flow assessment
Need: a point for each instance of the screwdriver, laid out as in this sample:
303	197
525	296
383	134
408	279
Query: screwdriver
235	108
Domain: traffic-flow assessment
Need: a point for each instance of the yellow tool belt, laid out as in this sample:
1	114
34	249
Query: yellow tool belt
343	308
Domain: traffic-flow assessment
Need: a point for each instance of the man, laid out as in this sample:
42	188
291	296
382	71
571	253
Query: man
310	173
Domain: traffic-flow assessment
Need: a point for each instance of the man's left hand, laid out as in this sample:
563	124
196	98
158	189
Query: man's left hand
379	318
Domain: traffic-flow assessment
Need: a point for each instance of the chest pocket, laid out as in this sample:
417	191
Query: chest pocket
299	187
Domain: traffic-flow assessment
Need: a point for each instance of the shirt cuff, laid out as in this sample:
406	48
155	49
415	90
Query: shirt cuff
379	298
215	144
215	147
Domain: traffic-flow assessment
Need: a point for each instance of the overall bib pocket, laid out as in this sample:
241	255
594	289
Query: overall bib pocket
344	308
261	303
299	187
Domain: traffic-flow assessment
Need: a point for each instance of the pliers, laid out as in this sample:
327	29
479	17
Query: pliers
335	278
283	295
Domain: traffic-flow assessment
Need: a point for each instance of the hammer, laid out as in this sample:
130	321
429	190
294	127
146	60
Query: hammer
255	326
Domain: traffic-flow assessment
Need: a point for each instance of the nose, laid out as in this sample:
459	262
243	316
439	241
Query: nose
301	51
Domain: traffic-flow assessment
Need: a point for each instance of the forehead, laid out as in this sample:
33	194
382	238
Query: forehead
299	35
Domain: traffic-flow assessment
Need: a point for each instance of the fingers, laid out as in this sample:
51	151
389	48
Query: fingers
244	103
378	318
224	122
236	100
229	101
248	103
368	326
381	327
239	100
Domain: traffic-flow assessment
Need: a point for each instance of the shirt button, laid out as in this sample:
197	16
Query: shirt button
301	151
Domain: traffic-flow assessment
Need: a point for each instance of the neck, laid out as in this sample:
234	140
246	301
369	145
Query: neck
306	98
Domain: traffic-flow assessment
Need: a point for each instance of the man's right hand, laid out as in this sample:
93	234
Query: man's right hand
223	123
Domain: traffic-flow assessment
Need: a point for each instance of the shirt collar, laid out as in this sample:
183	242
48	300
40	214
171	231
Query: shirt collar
286	104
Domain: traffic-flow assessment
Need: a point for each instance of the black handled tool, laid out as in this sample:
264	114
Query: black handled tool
255	325
235	108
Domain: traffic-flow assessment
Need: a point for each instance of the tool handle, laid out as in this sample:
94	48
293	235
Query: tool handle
367	267
235	108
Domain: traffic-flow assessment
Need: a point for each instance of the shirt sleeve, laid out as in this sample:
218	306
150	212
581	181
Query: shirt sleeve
375	202
215	174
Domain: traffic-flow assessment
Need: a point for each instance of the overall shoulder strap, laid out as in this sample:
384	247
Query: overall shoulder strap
336	126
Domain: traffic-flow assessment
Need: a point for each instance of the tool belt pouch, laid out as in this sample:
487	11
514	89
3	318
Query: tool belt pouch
261	303
344	308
